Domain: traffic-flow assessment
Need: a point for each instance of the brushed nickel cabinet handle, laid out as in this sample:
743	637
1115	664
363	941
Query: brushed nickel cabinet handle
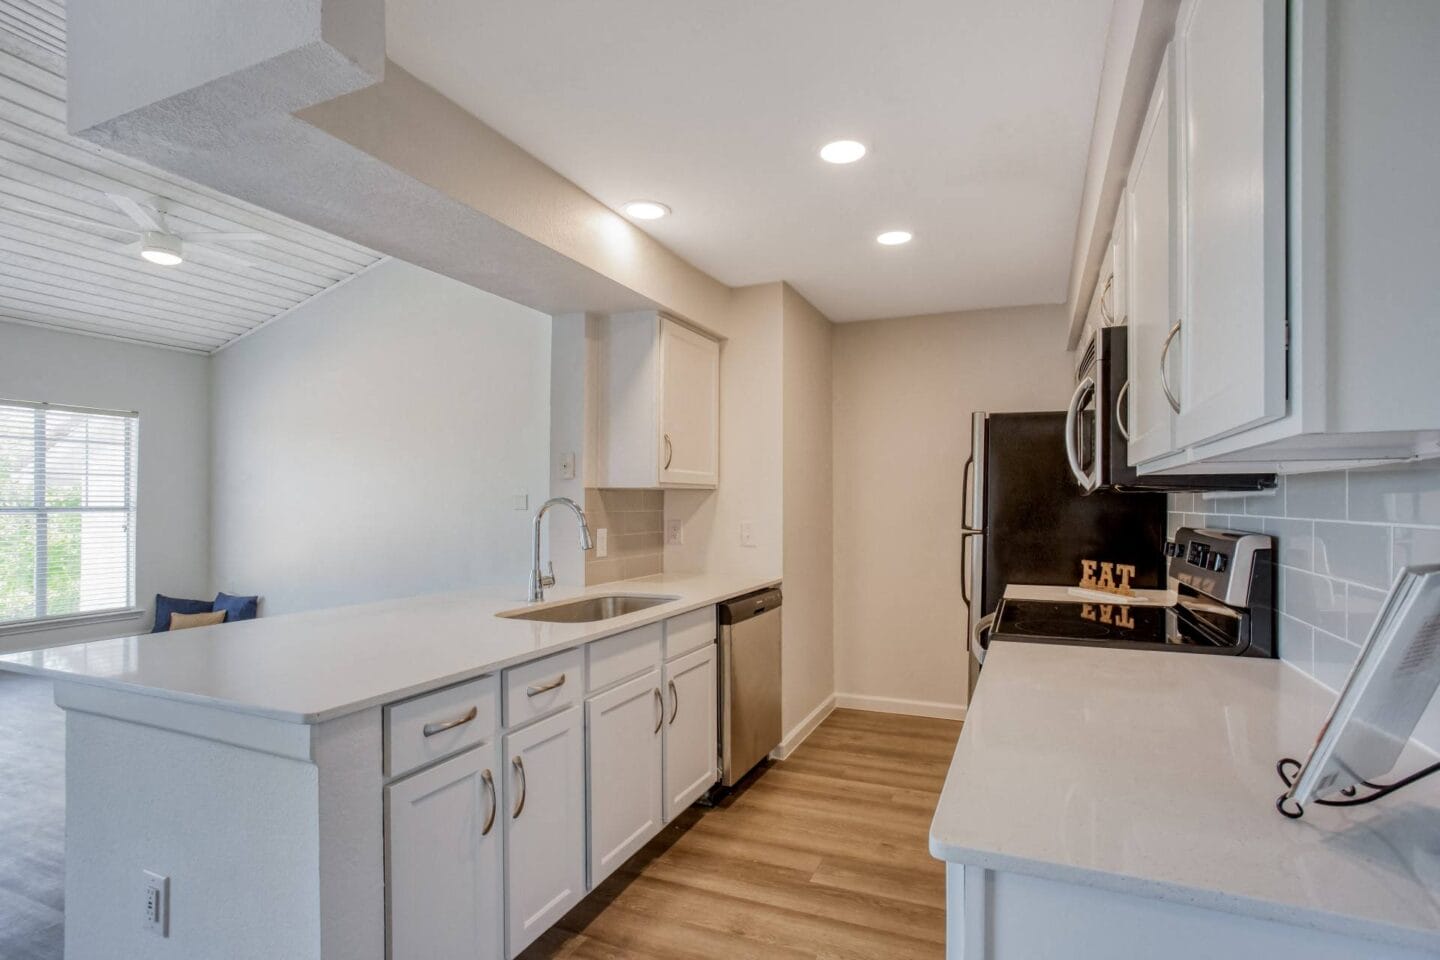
489	782
430	729
536	689
659	702
1164	379
669	451
519	765
675	702
1120	417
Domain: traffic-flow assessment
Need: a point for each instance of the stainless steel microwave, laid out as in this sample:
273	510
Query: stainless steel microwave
1096	442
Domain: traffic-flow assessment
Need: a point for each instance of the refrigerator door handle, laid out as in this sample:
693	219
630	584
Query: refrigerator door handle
965	534
1072	453
978	646
968	517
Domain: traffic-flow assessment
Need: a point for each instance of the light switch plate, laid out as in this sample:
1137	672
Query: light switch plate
157	904
602	543
522	501
567	466
747	533
675	531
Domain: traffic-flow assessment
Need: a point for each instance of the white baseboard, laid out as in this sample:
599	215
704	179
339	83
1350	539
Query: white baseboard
910	708
803	729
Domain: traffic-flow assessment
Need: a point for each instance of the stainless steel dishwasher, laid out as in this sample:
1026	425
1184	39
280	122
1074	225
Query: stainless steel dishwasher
749	682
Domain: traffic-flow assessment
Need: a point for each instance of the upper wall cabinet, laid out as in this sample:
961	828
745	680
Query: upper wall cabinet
1148	237
656	390
1303	231
1230	206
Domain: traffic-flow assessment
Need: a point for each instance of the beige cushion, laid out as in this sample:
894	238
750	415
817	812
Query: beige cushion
181	621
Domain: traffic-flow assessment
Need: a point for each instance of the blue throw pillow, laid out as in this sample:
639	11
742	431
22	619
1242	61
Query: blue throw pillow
236	608
164	606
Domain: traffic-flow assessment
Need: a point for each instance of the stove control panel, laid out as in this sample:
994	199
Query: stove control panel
1222	564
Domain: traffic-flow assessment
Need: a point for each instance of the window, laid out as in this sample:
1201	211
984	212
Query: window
67	511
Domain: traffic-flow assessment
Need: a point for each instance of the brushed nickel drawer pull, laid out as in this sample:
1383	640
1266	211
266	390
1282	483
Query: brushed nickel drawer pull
519	765
539	688
489	782
675	700
430	729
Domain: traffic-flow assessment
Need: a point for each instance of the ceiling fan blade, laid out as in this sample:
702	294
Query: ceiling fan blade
219	254
224	237
146	218
45	213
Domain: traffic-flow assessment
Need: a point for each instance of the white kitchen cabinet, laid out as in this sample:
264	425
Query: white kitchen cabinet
1148	240
656	386
544	817
624	762
691	744
1230	216
445	880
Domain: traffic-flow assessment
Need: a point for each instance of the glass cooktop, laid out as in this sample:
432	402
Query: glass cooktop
1196	626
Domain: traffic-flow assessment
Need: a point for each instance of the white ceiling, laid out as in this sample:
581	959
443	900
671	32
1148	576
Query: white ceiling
57	273
977	113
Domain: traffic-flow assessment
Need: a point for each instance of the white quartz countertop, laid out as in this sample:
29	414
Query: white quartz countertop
314	666
1153	773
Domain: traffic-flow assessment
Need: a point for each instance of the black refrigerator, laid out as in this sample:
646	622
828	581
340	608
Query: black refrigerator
1028	522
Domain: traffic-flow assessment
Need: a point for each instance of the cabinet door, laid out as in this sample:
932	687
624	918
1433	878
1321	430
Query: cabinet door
689	407
444	878
623	733
1230	166
691	743
1147	279
544	825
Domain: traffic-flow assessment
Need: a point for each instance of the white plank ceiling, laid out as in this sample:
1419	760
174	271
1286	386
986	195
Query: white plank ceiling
59	273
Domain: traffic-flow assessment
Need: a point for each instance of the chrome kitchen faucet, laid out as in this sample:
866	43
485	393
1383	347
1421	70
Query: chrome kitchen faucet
539	579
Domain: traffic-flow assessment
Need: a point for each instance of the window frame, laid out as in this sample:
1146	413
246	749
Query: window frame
39	510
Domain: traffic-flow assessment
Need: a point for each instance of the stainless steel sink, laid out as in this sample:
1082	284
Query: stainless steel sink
588	609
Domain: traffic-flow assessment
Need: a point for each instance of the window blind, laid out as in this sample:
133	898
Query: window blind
67	511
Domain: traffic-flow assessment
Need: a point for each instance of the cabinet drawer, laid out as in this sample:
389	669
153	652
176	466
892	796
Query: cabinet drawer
689	631
538	689
455	718
624	655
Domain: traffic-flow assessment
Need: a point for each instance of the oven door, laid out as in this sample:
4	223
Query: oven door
1083	431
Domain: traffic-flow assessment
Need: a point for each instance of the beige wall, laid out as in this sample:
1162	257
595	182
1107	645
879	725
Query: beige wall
808	504
904	391
751	474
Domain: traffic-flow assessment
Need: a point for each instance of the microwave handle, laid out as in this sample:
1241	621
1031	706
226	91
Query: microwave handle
1120	412
1072	414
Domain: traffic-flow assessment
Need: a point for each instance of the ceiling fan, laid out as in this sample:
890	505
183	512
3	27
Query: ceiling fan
155	241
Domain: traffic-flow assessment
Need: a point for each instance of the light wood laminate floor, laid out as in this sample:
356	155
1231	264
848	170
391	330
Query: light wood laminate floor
820	857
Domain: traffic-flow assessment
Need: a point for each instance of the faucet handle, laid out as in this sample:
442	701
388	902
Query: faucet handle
547	579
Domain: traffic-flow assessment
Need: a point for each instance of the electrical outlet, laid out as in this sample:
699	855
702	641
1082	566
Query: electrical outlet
602	543
567	466
674	531
157	904
747	533
522	501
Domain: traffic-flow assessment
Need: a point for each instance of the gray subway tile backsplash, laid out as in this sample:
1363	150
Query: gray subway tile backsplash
1341	538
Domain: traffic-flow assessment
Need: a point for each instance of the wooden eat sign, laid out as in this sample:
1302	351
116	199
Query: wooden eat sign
1106	580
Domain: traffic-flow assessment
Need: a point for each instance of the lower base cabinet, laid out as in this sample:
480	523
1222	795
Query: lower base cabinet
691	740
445	886
544	817
623	730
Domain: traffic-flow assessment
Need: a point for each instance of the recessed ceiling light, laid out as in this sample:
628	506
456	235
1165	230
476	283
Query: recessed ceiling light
161	248
646	210
842	151
893	238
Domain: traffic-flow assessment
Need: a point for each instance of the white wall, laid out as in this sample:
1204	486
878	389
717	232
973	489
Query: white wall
808	668
904	392
371	443
170	391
